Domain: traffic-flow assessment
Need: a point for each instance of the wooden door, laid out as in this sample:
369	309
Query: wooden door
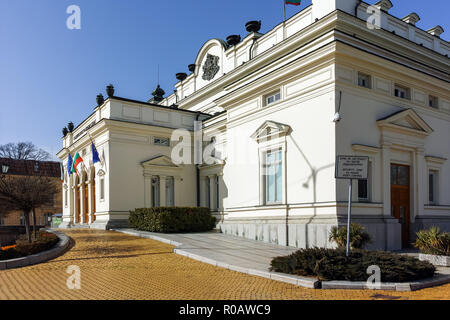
78	216
400	199
86	203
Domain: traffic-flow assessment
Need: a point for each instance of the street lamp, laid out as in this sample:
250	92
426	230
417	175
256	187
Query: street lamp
5	168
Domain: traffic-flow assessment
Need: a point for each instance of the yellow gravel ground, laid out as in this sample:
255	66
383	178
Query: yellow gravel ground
118	266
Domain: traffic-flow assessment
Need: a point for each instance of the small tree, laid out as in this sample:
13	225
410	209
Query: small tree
23	151
26	193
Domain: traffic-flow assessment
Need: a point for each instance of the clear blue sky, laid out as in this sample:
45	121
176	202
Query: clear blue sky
50	75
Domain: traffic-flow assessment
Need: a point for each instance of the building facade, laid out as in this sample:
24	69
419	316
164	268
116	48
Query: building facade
44	214
269	137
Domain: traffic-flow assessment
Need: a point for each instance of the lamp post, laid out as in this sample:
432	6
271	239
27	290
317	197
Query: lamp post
5	168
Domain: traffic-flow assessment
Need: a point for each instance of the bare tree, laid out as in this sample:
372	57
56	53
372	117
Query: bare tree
26	193
23	151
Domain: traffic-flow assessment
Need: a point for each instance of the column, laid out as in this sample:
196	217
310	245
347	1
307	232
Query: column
212	191
90	200
147	190
177	191
75	204
386	179
162	191
82	204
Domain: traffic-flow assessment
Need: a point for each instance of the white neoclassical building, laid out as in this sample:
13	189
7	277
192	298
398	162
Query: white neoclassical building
267	104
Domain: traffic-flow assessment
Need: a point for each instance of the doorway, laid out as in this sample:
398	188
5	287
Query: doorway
400	199
78	217
86	204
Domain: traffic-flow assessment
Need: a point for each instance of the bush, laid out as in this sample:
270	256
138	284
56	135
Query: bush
358	236
432	241
333	264
171	220
45	241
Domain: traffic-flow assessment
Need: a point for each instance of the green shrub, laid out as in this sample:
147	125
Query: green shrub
333	264
171	220
45	241
359	237
433	241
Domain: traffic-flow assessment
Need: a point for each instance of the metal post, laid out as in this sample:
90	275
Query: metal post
350	187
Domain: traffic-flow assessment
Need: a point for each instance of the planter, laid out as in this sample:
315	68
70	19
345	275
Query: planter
100	100
441	261
110	90
181	76
234	39
191	67
253	26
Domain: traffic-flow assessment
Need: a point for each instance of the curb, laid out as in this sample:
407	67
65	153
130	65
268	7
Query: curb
40	257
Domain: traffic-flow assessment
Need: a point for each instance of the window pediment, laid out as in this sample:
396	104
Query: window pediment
159	161
407	122
271	129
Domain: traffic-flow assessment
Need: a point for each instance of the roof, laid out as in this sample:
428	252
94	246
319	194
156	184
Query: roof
32	167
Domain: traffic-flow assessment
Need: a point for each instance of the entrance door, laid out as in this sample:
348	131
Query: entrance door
400	199
86	203
78	217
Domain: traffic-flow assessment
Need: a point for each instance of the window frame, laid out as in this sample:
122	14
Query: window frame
165	144
433	101
278	194
407	90
272	95
369	185
369	80
435	174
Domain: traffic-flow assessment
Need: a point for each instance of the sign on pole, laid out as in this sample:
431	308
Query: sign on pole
352	168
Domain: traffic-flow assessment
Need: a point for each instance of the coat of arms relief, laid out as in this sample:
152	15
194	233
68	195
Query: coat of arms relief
211	67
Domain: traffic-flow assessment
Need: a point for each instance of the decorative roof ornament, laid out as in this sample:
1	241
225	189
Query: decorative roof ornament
412	18
158	94
384	5
436	31
211	67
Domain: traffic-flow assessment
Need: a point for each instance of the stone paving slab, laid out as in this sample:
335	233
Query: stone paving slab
253	257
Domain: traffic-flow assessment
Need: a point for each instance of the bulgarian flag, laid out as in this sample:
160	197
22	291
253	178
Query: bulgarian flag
77	160
293	2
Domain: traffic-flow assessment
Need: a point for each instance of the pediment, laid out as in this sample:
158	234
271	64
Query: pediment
159	161
271	129
406	121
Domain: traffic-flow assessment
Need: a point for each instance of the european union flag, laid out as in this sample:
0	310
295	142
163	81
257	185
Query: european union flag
95	157
69	165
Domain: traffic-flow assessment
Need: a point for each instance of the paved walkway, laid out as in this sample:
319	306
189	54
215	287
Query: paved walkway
118	266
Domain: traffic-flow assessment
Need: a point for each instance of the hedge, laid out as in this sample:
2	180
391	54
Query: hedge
171	220
333	264
45	241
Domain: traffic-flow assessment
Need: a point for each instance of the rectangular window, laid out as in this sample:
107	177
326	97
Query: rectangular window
161	141
364	80
272	98
22	219
364	189
402	92
102	189
156	192
432	187
170	192
433	101
273	177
